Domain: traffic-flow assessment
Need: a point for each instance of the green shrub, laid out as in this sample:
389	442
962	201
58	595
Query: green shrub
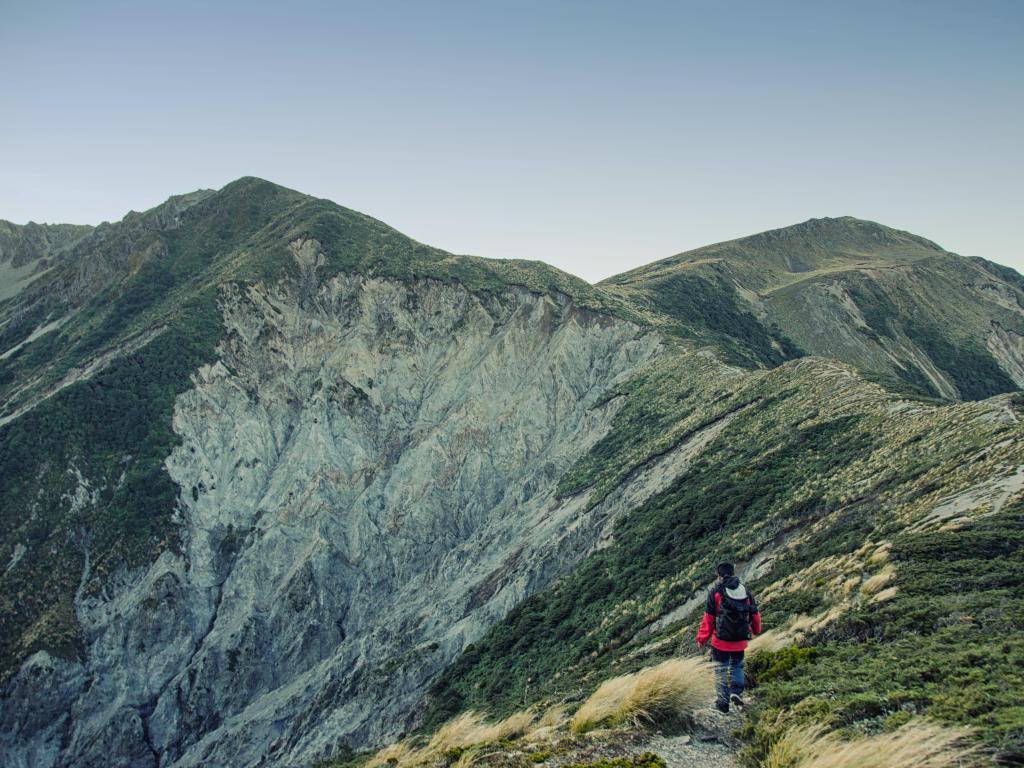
768	666
643	760
949	645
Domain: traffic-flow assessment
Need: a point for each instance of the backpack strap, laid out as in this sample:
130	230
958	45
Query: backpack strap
711	606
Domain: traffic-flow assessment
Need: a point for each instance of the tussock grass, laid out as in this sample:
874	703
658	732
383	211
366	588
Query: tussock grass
552	717
670	690
918	744
880	555
514	726
879	580
886	594
460	736
393	753
795	630
470	757
463	731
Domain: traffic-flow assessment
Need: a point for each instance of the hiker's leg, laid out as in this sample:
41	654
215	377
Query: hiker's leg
738	680
721	661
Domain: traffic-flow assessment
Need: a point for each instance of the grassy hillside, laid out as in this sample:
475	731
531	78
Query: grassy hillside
948	643
903	311
771	260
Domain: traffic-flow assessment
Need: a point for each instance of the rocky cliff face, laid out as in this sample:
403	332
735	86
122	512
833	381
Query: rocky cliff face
367	480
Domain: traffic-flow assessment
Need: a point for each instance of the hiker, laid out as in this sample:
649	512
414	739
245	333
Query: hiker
731	618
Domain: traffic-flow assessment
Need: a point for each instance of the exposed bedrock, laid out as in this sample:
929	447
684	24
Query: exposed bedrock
367	484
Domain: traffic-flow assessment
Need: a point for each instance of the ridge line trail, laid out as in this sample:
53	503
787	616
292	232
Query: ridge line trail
709	743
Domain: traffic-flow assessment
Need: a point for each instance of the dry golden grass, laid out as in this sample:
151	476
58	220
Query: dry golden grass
669	690
463	731
886	594
772	640
880	555
552	717
469	758
606	703
514	726
794	747
399	753
879	580
795	629
918	744
802	624
545	733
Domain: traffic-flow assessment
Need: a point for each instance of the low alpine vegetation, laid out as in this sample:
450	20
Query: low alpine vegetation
667	692
459	738
918	744
947	645
644	760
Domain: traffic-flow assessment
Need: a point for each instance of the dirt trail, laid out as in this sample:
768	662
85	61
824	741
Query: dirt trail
710	742
710	745
686	752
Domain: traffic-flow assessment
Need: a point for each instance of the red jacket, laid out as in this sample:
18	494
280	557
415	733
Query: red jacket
707	627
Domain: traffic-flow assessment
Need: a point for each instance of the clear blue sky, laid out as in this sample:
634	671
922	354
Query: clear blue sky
594	136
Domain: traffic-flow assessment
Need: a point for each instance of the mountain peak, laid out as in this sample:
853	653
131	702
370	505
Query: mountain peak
811	246
840	233
255	184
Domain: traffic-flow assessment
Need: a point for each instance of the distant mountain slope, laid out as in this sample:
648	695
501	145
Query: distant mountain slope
896	306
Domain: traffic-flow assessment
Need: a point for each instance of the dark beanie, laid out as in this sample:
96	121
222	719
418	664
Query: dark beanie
726	569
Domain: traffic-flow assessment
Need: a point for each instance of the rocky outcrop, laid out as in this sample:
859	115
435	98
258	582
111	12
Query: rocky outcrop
22	244
367	481
1007	347
28	250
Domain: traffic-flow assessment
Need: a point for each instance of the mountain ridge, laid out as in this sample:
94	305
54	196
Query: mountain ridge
850	230
751	297
921	320
308	484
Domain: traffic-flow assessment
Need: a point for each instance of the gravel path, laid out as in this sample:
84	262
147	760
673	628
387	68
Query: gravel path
685	752
711	745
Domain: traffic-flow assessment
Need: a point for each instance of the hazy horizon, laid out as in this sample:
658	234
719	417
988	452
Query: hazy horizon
593	136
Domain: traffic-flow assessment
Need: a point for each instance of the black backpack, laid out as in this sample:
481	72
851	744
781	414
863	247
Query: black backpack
733	620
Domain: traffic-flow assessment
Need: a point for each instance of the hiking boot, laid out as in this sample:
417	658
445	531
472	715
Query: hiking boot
736	700
723	706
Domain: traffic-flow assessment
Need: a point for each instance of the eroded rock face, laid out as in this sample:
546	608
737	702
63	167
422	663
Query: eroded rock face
1007	347
367	483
